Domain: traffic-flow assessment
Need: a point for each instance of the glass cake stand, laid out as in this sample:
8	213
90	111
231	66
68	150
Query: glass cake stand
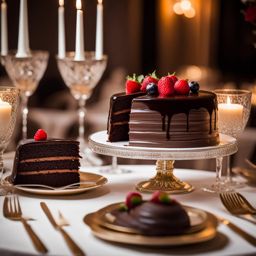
164	180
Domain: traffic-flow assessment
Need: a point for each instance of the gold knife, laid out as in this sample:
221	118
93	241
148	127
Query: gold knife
249	238
70	242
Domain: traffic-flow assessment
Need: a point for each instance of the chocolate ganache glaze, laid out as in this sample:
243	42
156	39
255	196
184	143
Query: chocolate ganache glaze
177	121
154	219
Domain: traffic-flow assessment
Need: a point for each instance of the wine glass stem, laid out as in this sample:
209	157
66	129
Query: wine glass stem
228	175
1	167
114	162
24	103
81	113
218	169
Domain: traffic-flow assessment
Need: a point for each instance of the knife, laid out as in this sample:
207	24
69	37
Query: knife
249	238
70	242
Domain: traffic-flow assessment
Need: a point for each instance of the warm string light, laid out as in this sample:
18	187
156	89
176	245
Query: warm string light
184	7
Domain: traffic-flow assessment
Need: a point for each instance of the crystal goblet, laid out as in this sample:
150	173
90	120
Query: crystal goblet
81	77
9	98
26	74
233	113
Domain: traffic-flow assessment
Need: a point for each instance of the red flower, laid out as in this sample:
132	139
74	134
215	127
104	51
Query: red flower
250	14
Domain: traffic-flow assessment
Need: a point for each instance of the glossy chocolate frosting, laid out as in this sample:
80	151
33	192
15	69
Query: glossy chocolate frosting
177	121
155	219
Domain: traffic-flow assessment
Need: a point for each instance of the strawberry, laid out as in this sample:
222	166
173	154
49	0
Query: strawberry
173	77
165	86
182	87
133	199
151	78
133	84
40	135
160	197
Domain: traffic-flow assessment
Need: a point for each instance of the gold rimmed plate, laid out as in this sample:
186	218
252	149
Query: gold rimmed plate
204	228
88	181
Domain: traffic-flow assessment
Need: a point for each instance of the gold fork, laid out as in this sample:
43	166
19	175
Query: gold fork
236	205
12	211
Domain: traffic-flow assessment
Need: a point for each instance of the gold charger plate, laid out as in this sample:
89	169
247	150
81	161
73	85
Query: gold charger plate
248	174
84	177
207	231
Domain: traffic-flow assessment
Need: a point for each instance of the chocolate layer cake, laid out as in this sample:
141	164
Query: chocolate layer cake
50	162
155	219
180	121
119	115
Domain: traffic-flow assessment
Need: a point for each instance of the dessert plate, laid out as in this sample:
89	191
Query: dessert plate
88	181
203	228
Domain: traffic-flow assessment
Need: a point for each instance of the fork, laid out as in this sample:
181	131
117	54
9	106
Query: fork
238	205
12	211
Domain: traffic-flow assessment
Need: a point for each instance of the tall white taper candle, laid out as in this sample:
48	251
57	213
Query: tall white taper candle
79	52
99	31
61	31
4	31
23	40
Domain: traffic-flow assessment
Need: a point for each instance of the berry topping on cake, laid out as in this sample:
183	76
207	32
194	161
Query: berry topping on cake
133	199
160	197
40	135
181	87
151	78
152	89
194	86
133	84
165	86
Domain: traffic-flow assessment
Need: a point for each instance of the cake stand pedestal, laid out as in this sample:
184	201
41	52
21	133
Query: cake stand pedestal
164	180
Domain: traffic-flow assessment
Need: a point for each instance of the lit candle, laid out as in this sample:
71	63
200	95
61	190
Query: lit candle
230	114
61	31
4	33
79	52
5	113
99	31
23	40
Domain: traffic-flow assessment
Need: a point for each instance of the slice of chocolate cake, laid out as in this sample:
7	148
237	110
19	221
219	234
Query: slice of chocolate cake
52	162
119	115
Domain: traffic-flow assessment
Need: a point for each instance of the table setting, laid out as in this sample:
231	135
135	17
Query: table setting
55	201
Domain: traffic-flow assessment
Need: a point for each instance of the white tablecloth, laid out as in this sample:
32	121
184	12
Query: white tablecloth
13	236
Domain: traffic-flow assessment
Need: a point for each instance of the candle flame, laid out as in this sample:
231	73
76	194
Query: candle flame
61	2
100	1
228	100
78	5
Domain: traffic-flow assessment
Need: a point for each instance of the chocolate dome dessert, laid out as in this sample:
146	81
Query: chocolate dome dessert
161	216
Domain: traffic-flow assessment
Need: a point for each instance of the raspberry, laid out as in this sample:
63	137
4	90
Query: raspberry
133	199
40	135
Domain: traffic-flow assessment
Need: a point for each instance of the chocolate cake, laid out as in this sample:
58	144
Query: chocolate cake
178	121
119	115
161	216
52	162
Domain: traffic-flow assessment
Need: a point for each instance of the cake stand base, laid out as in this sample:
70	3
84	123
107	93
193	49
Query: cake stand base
165	180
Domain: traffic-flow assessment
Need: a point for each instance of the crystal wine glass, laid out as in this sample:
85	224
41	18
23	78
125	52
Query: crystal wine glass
81	77
26	74
9	98
233	113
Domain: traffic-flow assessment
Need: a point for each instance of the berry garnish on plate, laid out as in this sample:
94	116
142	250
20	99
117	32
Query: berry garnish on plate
194	86
151	78
160	197
152	89
181	87
133	84
165	86
40	135
133	199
